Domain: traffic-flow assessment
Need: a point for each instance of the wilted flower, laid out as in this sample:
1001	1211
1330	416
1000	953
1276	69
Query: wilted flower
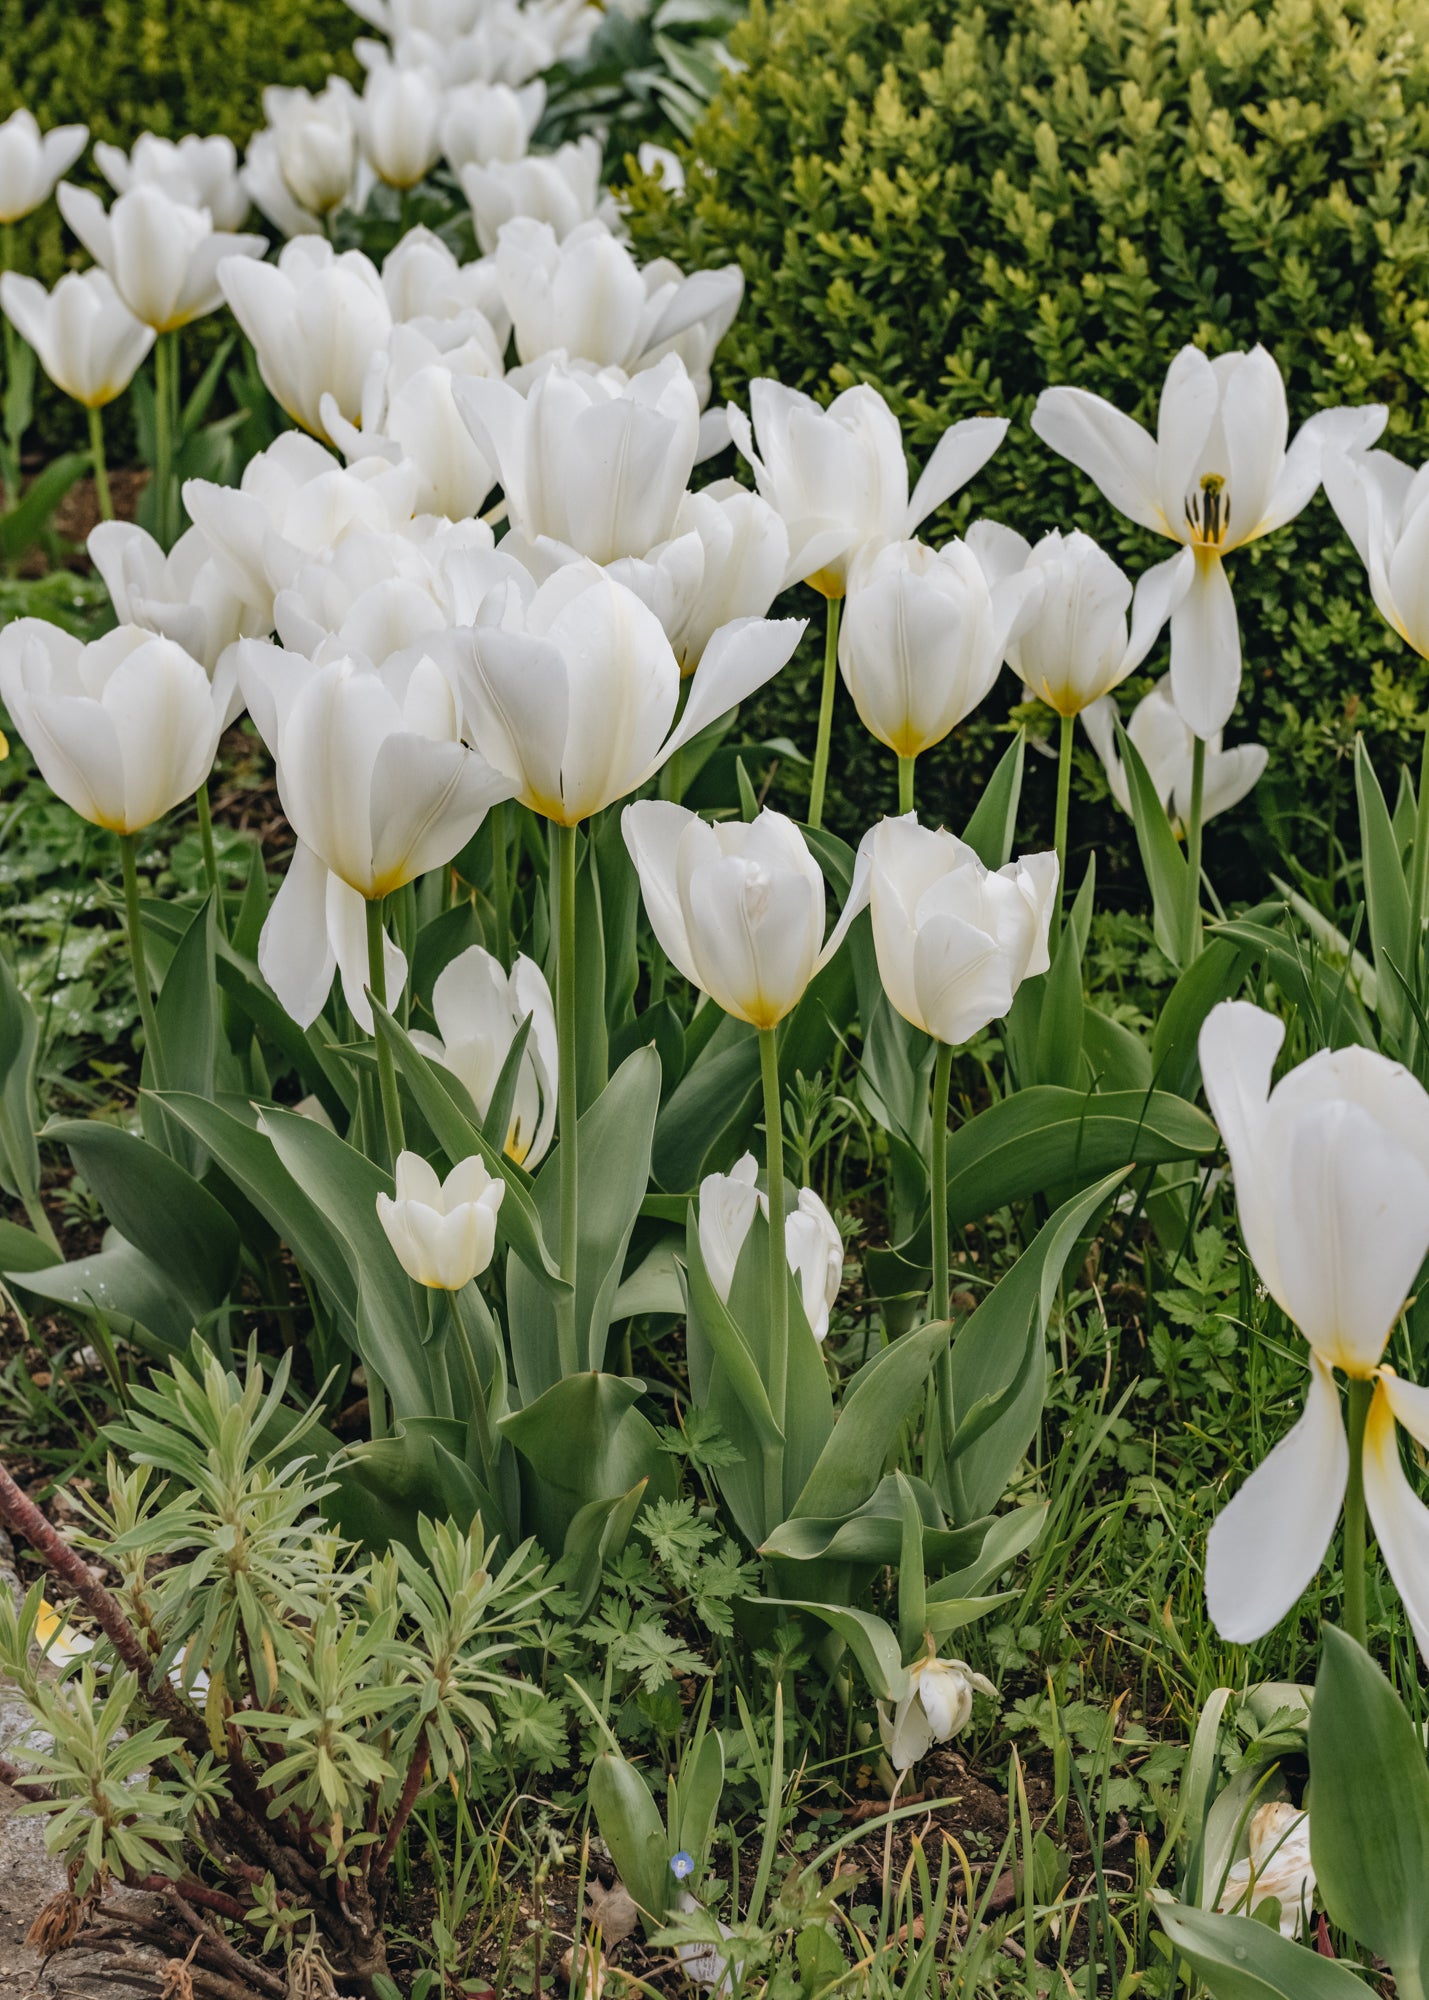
938	1704
162	255
812	1243
1166	747
88	341
32	161
1277	1865
443	1231
201	173
1216	476
480	1008
316	319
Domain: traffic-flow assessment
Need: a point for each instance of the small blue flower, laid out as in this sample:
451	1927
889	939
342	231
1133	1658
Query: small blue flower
682	1865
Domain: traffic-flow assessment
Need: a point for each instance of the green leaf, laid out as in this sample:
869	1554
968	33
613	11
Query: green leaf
1240	1959
19	1054
631	1827
385	1486
869	1639
22	1250
123	1287
188	1032
583	1440
993	827
1369	1827
1385	890
912	1579
876	1402
21	528
1161	857
1059	1029
1212	976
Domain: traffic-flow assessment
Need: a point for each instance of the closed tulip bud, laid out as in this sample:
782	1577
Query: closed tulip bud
123	729
314	143
562	188
399	118
316	319
200	173
727	558
738	908
162	255
597	462
954	939
443	1232
480	1008
922	641
571	688
482	122
1167	748
87	340
839	478
31	162
184	595
937	1706
812	1243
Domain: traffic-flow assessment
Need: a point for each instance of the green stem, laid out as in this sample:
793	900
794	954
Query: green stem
478	1429
1191	938
942	1290
10	481
567	1102
1419	880
501	884
778	1264
826	716
128	849
1361	1394
41	1223
165	426
101	469
210	855
386	1069
1065	737
906	767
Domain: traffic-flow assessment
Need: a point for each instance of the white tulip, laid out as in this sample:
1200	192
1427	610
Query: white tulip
1166	747
314	144
480	1008
482	122
423	281
1380	502
372	773
269	191
162	255
443	1231
937	1706
123	729
562	188
32	161
1277	1865
316	319
87	340
727	558
376	595
184	595
738	907
316	926
922	640
408	411
572	688
1332	1187
1216	476
662	165
839	478
399	117
1073	645
954	939
200	173
444	20
597	462
812	1243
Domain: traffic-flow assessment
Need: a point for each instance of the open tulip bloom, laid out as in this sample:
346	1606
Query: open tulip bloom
31	162
315	319
813	1246
480	1009
1332	1187
1166	746
727	558
1216	476
162	255
199	172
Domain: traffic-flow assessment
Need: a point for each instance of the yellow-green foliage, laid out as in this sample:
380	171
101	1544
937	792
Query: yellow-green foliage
963	203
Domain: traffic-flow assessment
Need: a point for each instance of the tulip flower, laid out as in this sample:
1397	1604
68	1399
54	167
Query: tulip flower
937	1706
482	122
562	188
480	1009
1166	747
316	320
661	165
1216	476
184	595
443	1231
813	1246
399	117
408	411
596	462
727	558
1277	1865
923	639
839	478
306	167
88	341
162	255
31	162
200	173
316	925
1331	1171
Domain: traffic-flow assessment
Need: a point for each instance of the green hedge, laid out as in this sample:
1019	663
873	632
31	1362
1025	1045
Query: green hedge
963	203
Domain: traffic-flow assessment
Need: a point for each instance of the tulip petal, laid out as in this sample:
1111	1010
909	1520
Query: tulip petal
961	451
346	926
739	658
1265	1547
1205	649
1238	1046
1401	1520
295	953
428	799
1158	593
653	830
1342	430
1116	454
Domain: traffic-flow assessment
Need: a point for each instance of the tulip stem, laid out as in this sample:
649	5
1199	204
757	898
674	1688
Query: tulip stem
1361	1394
210	854
1419	878
826	716
1065	736
942	1291
778	1260
567	1101
478	1434
1191	940
133	922
501	885
386	1069
10	488
165	412
906	767
101	468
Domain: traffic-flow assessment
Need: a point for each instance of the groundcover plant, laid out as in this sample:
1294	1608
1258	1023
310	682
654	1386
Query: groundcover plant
608	1392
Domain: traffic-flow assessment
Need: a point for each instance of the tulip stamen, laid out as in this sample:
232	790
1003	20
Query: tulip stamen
1208	511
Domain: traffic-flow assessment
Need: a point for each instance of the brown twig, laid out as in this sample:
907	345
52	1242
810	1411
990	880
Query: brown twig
257	1975
411	1786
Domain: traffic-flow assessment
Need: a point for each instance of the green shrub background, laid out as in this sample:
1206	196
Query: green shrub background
963	203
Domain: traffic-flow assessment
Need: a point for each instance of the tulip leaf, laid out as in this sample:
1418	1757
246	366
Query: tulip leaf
631	1827
1317	987
583	1440
1213	975
134	1298
159	1207
727	1382
1059	1026
20	528
384	1486
1385	890
1166	868
872	1642
1369	1819
21	1250
1115	1055
716	1092
19	1055
188	1035
912	1576
873	1532
1240	1959
1002	1542
595	1538
851	1464
993	827
319	1070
